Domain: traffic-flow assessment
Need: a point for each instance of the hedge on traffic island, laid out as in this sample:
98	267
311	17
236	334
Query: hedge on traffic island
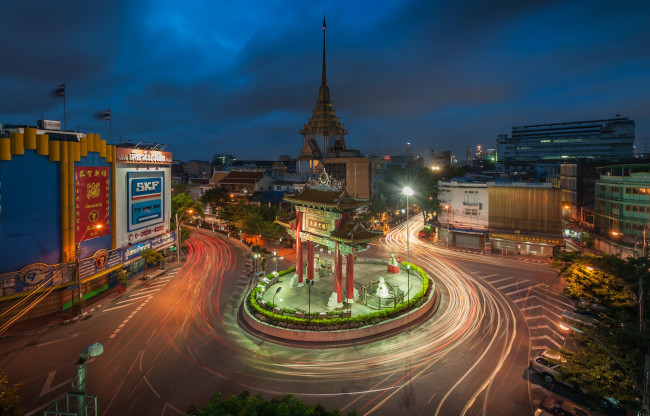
334	321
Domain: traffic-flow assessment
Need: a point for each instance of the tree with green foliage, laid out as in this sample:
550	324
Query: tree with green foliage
183	204
9	398
245	405
123	278
150	257
609	351
214	197
253	219
606	279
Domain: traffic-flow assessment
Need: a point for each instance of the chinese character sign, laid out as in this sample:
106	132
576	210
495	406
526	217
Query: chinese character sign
92	199
318	225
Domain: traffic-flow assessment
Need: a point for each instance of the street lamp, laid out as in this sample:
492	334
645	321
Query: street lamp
275	259
255	256
77	255
408	282
310	283
273	312
447	237
79	380
408	191
178	233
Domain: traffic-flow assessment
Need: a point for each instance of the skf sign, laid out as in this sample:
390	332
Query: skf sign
146	188
141	187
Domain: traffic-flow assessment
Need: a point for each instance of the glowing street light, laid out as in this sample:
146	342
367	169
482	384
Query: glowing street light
178	232
446	207
408	191
77	255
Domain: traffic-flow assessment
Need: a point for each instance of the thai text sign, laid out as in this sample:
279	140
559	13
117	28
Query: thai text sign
92	199
133	252
150	157
102	260
526	239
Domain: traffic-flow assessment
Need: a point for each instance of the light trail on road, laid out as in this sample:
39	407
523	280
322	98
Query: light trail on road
189	345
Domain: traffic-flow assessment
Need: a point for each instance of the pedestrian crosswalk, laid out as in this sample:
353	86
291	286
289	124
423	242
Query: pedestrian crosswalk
542	309
141	296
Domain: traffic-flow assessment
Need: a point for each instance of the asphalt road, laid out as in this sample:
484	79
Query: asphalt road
175	341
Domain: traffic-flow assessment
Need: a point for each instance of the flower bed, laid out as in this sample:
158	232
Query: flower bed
334	320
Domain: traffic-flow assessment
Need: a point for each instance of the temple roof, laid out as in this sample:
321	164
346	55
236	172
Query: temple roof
325	196
353	232
324	121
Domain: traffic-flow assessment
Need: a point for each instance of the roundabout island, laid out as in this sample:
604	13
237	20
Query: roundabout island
310	303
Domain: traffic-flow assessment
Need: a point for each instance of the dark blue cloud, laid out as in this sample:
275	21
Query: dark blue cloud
243	77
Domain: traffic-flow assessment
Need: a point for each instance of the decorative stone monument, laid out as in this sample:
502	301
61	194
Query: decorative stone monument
393	267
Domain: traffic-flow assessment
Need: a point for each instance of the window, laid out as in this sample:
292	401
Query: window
470	198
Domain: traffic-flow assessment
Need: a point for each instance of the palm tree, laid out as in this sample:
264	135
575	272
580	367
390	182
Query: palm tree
150	256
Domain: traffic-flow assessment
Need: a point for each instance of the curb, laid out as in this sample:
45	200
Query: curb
109	299
457	250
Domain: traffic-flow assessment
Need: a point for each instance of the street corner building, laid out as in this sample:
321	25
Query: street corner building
74	210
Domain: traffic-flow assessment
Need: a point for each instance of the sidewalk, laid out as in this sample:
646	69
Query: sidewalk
42	323
480	253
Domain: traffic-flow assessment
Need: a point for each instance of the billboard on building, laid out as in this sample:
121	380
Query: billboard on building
143	186
92	202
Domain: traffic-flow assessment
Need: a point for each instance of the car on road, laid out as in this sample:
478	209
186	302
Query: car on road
548	366
421	234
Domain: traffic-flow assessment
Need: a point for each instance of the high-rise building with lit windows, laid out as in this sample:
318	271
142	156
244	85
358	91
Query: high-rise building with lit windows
594	140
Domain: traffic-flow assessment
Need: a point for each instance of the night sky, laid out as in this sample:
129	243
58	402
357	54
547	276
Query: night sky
242	77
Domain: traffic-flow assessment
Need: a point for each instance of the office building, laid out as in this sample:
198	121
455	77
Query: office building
593	140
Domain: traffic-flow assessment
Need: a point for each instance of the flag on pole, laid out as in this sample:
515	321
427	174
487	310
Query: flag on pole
60	91
103	115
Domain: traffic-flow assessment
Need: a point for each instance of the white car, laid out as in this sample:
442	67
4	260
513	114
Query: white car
548	366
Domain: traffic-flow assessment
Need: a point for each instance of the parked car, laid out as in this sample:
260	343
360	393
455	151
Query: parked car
554	407
548	366
577	322
421	234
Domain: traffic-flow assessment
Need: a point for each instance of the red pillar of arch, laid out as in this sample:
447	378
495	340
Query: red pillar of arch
338	275
349	276
299	268
310	260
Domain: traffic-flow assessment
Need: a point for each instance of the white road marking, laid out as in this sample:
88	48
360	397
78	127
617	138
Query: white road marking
48	387
511	284
116	307
76	334
522	290
557	344
500	280
548	328
150	386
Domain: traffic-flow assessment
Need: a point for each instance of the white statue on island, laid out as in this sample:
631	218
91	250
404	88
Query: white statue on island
382	289
392	261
